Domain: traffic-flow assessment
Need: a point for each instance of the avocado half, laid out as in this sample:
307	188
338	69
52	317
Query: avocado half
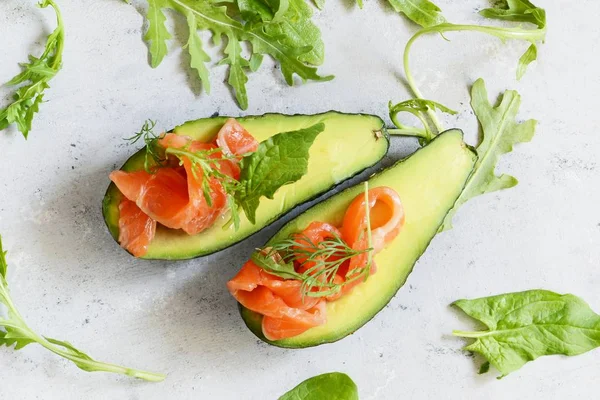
429	183
349	144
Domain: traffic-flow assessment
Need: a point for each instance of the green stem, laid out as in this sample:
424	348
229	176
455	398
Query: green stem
471	334
93	365
411	132
502	33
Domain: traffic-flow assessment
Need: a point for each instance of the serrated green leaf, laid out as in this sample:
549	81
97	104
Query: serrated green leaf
500	133
331	386
319	4
157	34
280	160
294	41
281	269
198	57
421	12
237	78
35	76
527	58
527	325
519	11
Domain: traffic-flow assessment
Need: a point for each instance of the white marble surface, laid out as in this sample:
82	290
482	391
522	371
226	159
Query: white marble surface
71	280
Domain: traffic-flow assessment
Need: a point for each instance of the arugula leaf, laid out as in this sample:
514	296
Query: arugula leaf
157	34
330	386
265	260
519	11
422	12
280	160
17	333
500	133
279	28
418	108
526	325
36	73
198	57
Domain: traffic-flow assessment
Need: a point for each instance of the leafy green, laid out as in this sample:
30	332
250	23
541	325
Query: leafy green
511	10
501	132
519	11
265	259
16	333
330	386
418	108
280	160
36	75
526	325
281	29
422	12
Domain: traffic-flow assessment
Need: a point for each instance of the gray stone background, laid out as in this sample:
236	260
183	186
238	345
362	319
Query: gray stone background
71	280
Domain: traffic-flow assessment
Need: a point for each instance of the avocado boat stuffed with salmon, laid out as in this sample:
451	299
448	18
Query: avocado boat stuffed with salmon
211	183
333	268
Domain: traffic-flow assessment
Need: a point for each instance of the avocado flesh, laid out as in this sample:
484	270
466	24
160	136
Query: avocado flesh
349	144
428	182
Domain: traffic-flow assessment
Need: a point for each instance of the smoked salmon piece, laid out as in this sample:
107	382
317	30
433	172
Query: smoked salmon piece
174	194
234	139
286	310
281	328
136	229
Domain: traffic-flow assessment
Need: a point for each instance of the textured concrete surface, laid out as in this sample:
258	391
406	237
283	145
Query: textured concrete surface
71	281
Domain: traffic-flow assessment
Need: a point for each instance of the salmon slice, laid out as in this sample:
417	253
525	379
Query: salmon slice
290	291
234	139
386	213
136	229
281	328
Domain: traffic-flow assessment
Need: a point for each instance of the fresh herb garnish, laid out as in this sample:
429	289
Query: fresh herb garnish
36	73
323	260
16	333
280	160
330	386
501	132
526	325
280	29
154	153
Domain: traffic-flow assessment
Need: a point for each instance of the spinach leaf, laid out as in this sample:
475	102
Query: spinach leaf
280	160
331	386
526	325
501	132
281	29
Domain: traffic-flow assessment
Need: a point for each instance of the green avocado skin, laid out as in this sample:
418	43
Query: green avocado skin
429	183
350	144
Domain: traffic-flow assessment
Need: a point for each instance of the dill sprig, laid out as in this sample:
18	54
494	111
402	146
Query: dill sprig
155	154
324	258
